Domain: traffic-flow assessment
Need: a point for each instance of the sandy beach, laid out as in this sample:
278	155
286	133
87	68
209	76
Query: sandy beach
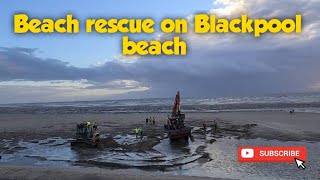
300	126
25	134
18	172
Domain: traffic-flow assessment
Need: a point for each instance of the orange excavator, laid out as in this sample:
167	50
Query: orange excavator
175	123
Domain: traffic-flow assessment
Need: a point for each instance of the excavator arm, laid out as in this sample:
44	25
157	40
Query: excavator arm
176	105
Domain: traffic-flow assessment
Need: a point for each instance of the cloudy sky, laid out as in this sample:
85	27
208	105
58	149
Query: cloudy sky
60	67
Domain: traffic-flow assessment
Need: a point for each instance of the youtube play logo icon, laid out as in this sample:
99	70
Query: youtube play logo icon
247	153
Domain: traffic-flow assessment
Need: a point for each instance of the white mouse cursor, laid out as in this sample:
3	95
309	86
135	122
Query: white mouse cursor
300	163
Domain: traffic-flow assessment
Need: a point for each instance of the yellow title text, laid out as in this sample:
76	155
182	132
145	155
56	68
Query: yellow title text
202	23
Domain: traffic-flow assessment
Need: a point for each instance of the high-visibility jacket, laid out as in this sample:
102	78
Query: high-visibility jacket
88	123
136	130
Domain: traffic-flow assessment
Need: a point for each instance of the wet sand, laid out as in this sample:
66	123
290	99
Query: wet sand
300	126
118	131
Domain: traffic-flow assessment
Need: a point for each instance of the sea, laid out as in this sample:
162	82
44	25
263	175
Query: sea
300	102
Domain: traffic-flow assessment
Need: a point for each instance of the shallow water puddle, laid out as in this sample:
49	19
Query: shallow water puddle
128	139
169	157
49	152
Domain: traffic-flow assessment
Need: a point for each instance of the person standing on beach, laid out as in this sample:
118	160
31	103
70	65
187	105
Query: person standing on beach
204	124
215	125
95	126
136	131
147	120
292	111
141	132
150	119
169	123
154	121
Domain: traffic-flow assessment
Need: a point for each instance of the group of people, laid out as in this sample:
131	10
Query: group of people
138	131
205	125
292	111
94	126
151	120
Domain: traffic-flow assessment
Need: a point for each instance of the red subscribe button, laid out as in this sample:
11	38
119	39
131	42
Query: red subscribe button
272	154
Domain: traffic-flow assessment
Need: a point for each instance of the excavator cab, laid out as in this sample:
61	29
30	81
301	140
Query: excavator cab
86	136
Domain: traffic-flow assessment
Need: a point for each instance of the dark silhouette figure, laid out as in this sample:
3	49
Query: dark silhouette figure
292	111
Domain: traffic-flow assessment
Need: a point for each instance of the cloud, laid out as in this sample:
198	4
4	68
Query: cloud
21	63
24	77
241	64
216	65
25	94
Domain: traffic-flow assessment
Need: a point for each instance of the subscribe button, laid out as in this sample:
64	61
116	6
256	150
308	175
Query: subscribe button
272	154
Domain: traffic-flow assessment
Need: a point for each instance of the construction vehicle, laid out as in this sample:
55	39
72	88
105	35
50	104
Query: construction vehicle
86	136
175	124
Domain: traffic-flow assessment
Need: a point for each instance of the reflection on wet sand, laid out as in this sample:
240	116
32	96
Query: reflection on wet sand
211	153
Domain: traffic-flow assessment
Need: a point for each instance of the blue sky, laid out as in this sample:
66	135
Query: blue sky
83	49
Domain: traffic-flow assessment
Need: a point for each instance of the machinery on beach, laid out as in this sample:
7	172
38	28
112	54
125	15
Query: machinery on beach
175	124
86	136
